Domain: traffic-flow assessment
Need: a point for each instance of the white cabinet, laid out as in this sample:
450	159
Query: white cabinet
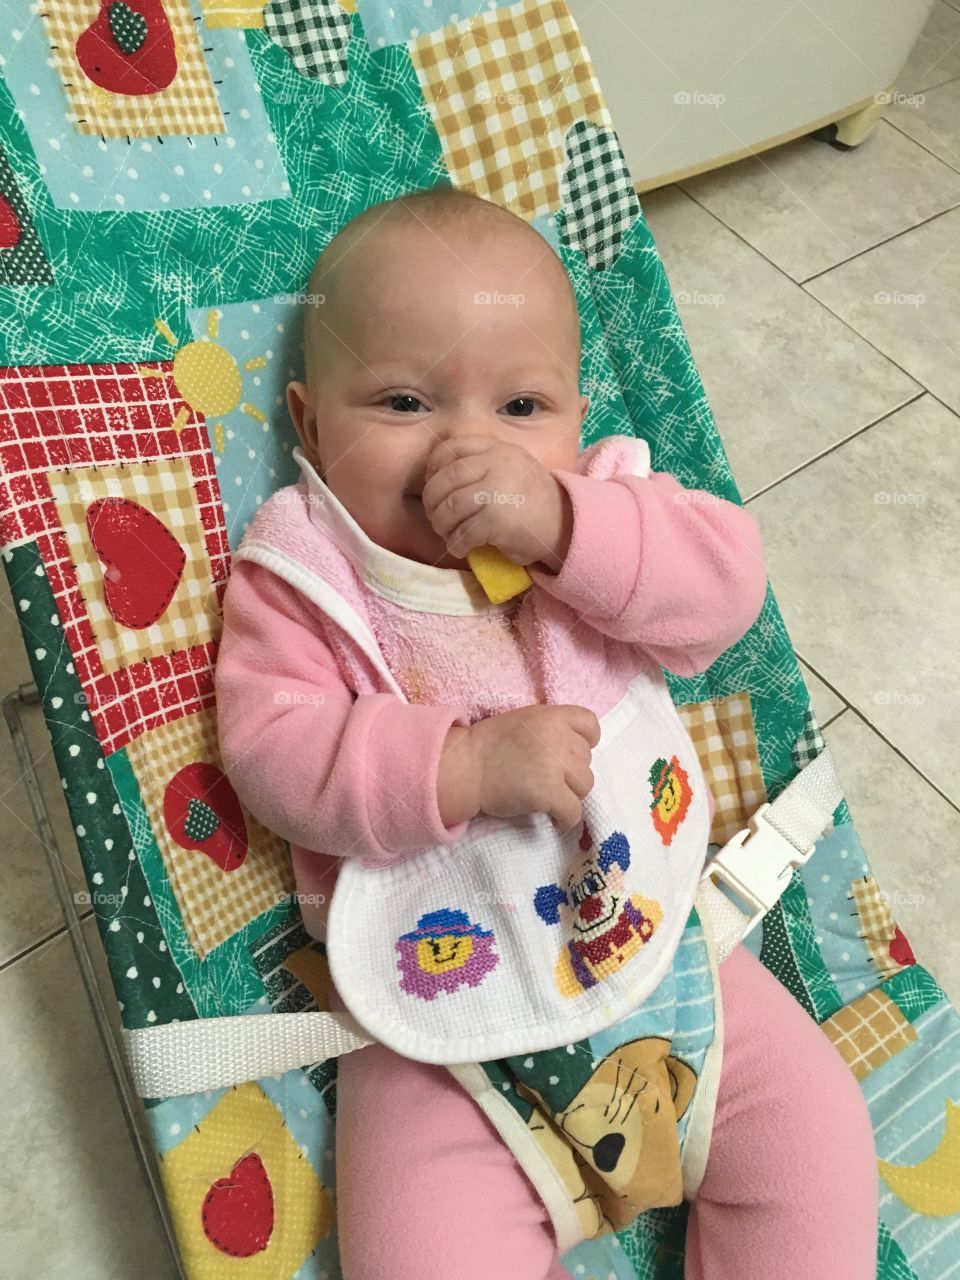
693	84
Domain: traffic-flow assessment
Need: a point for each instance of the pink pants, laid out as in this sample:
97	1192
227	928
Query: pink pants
426	1186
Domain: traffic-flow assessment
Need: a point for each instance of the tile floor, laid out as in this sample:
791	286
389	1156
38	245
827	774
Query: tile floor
839	413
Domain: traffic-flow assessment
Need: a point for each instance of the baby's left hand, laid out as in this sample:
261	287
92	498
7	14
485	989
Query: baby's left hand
481	491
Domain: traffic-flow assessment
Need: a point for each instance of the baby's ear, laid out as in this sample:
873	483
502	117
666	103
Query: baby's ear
304	417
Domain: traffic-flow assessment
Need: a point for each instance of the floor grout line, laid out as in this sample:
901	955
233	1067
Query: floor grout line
851	706
813	297
843	261
839	444
54	934
948	163
889	239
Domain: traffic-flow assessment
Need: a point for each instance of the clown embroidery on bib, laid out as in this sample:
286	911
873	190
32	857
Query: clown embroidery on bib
445	952
607	925
672	794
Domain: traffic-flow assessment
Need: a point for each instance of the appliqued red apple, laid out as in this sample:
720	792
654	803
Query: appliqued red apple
238	1212
142	560
10	228
202	811
129	48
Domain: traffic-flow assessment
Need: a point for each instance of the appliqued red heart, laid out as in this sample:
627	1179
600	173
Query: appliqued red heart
142	560
238	1212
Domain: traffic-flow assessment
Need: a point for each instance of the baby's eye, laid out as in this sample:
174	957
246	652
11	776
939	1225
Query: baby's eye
524	405
402	403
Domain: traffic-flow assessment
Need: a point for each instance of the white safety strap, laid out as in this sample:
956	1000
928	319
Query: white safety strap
177	1058
210	1053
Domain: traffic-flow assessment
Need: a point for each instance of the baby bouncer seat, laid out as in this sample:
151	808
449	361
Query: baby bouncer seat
170	170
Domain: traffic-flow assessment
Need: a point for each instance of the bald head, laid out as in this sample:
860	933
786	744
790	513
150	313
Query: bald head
451	216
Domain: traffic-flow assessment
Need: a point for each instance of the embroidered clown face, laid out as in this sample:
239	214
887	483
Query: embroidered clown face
603	924
595	893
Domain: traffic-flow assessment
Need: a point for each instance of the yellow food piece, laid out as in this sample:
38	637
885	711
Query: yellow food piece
500	578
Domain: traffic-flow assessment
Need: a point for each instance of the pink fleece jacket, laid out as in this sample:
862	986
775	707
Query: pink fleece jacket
339	774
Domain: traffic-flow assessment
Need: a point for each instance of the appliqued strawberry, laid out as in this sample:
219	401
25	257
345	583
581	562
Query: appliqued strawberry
202	813
129	48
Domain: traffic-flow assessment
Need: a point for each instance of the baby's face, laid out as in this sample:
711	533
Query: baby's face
416	355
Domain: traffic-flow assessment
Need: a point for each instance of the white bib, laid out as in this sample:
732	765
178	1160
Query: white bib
518	938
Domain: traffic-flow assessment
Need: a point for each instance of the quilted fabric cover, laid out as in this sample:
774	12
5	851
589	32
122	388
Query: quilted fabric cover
168	172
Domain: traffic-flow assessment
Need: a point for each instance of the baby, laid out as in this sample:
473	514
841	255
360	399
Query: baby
441	412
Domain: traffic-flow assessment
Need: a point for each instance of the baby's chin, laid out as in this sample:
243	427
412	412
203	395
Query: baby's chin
425	546
440	559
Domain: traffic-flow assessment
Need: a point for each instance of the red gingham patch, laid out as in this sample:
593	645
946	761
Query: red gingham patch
61	416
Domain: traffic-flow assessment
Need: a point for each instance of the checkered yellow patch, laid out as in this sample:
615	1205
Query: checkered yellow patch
503	89
214	902
878	927
150	558
243	1198
103	82
724	735
869	1031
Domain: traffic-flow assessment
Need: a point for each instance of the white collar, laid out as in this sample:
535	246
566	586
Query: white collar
421	587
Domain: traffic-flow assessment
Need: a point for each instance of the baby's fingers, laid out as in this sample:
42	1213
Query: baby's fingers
566	812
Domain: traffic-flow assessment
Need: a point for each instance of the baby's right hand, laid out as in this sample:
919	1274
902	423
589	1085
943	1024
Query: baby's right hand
535	759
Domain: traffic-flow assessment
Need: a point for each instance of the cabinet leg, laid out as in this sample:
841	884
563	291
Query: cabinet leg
853	129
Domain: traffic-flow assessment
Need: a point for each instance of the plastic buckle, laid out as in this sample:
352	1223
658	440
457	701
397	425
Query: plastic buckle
757	863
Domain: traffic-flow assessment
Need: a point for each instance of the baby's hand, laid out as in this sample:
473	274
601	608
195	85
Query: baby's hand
535	759
481	491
